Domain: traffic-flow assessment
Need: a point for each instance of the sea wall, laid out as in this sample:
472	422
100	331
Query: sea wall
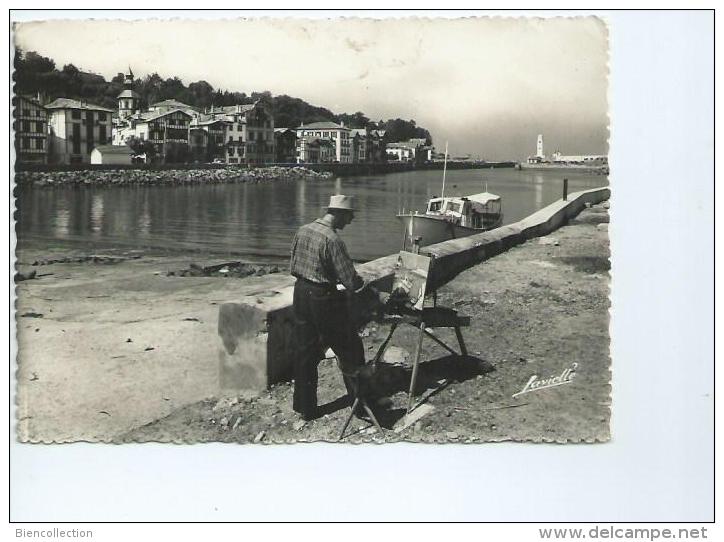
257	346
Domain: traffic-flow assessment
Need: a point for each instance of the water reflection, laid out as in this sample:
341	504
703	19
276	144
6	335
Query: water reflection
62	219
259	220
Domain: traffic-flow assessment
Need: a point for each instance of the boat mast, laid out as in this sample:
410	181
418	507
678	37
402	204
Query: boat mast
444	170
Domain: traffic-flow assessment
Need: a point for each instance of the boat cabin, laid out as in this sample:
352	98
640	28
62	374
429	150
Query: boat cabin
476	211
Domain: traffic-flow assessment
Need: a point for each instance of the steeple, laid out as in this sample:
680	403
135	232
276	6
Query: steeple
128	99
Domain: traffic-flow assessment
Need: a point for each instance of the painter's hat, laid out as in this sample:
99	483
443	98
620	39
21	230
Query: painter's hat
341	202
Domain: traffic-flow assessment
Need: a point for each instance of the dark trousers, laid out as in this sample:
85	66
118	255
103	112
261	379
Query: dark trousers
322	316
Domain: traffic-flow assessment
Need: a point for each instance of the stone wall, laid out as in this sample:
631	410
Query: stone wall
257	345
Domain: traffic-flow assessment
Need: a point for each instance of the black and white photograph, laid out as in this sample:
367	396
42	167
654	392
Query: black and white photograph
209	251
407	241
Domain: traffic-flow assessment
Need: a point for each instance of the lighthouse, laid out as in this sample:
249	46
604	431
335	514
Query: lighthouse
128	99
539	148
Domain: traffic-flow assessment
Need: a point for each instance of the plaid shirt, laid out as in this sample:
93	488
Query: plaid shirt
320	255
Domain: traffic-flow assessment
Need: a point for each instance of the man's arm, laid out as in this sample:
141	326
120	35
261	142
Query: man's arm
343	266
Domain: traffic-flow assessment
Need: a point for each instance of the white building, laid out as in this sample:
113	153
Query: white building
338	134
112	154
75	128
595	159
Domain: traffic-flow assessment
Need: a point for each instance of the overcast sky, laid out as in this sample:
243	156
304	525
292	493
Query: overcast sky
487	85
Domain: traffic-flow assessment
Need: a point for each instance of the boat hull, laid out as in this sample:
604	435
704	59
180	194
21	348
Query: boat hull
434	230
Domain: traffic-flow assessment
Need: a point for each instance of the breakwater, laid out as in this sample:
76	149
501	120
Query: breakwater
125	177
225	171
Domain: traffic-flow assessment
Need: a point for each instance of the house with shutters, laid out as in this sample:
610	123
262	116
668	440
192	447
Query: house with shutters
249	133
75	128
30	123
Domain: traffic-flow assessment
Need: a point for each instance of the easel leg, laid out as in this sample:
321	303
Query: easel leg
384	344
372	415
349	418
415	365
463	350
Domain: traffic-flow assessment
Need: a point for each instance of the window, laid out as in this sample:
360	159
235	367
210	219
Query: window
26	112
252	136
231	151
239	128
102	135
325	134
26	143
39	144
26	126
142	136
75	114
102	117
39	127
76	139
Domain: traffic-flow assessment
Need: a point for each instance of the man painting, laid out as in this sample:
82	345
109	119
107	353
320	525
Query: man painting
320	262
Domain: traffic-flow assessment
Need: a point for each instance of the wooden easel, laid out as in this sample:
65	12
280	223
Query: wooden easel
424	319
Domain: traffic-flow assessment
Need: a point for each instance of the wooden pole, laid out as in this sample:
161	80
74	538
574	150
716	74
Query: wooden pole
565	189
444	171
415	365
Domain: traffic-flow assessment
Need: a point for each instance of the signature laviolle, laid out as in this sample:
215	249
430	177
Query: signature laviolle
536	383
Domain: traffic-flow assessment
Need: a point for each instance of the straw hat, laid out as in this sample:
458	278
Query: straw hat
341	202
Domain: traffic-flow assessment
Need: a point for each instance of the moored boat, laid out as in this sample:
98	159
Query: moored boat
451	218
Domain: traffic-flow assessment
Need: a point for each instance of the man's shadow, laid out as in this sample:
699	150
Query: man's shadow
387	379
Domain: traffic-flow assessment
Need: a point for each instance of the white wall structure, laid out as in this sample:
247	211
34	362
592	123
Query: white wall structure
112	154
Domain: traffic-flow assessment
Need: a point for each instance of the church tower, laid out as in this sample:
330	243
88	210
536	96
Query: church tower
129	98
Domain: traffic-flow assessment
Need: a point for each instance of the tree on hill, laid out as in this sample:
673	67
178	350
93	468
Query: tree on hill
403	130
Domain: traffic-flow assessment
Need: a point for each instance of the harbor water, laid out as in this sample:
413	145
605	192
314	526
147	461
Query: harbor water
256	222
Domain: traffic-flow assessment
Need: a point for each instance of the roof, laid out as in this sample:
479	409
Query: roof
280	130
153	115
114	149
205	120
483	197
67	103
127	93
322	126
173	103
241	108
358	131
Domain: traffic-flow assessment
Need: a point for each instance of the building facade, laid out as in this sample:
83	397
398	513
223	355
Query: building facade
285	141
75	128
168	132
592	159
249	133
413	150
337	134
207	139
31	131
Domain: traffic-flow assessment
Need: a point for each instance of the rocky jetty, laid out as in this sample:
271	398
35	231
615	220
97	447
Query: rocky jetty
126	177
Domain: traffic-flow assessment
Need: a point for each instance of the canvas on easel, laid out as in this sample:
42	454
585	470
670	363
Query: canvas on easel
410	280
